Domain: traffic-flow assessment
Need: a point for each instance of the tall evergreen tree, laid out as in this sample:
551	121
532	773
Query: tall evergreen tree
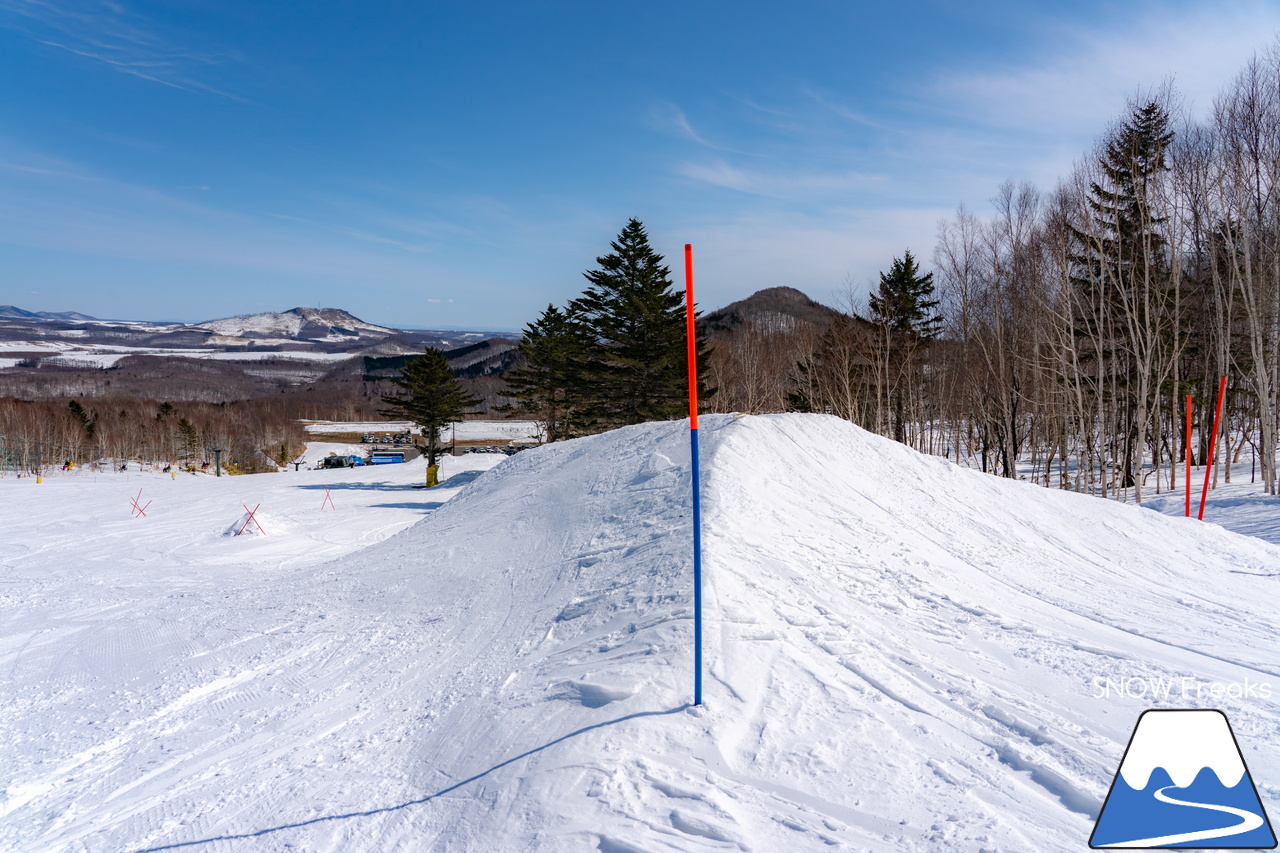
431	398
190	439
1122	275
1122	243
903	310
634	368
1131	159
546	387
904	302
87	420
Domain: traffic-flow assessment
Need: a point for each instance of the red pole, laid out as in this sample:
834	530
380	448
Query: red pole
1213	440
690	336
1188	449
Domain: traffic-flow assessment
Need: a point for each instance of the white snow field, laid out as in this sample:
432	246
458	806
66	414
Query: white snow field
902	655
1241	505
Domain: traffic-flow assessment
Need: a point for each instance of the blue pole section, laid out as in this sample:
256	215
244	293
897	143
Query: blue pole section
697	570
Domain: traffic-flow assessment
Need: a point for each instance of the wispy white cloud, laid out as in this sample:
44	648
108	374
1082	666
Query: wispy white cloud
119	38
783	183
400	210
1077	76
681	123
52	205
842	109
671	119
48	168
328	248
355	233
720	174
847	184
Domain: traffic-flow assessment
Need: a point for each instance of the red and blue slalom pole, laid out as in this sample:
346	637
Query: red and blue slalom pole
697	482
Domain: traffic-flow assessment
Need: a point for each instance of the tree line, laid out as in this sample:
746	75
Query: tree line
1058	337
255	435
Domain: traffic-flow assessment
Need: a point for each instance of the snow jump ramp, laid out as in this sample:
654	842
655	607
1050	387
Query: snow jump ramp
902	656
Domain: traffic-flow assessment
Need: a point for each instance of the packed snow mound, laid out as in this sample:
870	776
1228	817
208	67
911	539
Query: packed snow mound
257	523
902	655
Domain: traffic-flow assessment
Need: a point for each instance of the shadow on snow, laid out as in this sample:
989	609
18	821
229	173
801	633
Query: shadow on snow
428	798
456	481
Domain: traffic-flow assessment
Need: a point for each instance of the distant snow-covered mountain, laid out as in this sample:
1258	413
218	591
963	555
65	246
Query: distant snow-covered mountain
10	312
298	324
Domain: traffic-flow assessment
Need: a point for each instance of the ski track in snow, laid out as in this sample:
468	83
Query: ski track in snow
901	654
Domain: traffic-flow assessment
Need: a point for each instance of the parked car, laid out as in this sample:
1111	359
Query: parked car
336	461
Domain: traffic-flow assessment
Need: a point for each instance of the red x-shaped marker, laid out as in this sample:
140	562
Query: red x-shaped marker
249	519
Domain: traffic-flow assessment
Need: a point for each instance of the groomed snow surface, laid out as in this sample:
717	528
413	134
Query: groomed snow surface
902	655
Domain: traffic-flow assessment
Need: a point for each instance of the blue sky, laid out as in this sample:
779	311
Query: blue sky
461	164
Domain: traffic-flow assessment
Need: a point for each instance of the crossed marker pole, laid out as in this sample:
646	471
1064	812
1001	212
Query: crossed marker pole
249	519
328	498
139	510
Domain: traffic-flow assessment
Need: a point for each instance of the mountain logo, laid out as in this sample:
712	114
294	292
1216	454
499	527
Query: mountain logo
1183	782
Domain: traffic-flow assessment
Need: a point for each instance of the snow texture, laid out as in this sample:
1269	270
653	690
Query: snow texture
1240	506
902	655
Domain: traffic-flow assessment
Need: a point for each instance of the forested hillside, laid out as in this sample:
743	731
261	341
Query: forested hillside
1070	323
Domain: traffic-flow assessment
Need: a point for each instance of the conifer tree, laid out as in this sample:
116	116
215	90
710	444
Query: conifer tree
1122	276
903	310
1123	244
633	369
546	386
87	420
904	302
431	398
190	437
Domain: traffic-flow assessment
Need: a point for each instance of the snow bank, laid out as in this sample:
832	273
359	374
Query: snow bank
903	656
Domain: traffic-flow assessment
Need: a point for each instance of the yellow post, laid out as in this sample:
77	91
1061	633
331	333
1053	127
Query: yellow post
173	475
39	479
433	475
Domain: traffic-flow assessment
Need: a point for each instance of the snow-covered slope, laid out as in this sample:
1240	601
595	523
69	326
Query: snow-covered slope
311	324
903	656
